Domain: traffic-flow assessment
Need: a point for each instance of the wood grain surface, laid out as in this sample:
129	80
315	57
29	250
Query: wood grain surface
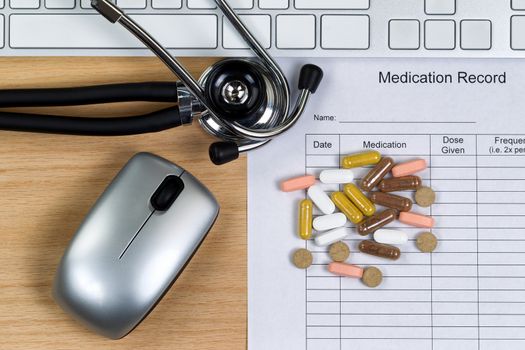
49	182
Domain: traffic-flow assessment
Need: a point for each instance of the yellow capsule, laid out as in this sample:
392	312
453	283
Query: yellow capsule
359	199
306	208
343	203
361	159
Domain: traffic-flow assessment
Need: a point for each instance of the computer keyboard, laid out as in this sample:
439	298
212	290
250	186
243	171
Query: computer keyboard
297	28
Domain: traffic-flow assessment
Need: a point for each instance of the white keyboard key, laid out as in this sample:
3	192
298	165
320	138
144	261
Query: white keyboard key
517	34
274	4
166	4
1	4
241	4
2	31
85	4
210	4
94	31
476	35
201	4
132	4
60	4
518	4
403	34
440	34
333	4
295	31
259	25
24	4
440	7
345	32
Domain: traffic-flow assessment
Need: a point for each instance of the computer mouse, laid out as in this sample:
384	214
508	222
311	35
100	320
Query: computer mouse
133	244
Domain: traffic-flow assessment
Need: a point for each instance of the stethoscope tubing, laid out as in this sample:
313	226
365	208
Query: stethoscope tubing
96	94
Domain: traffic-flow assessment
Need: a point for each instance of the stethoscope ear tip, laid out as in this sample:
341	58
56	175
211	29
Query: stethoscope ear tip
310	77
223	152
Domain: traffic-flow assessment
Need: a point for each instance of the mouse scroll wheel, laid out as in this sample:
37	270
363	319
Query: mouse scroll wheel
167	193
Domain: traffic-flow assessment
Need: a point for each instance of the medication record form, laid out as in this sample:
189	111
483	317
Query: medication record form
469	293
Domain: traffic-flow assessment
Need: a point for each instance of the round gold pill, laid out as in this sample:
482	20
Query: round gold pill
372	277
426	242
425	197
339	252
302	258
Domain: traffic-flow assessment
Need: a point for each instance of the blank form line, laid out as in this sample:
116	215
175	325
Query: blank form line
420	338
404	122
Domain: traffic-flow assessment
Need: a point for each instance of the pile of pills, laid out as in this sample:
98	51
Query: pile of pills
356	206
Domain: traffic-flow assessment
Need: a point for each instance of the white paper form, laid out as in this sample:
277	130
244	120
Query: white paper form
469	293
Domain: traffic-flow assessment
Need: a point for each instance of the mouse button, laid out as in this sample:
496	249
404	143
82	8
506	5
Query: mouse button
170	238
168	191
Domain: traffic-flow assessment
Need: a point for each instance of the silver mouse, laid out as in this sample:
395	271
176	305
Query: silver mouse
133	244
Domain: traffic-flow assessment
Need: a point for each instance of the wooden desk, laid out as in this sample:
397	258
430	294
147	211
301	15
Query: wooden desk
49	182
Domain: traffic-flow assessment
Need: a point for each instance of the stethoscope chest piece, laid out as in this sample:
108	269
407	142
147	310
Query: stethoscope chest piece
236	89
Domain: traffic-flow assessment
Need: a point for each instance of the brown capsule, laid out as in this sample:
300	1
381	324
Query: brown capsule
377	221
374	176
391	201
404	183
380	250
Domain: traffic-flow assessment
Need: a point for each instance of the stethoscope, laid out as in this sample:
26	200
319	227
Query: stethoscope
243	102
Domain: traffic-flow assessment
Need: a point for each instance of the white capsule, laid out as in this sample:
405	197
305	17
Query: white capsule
387	236
321	199
328	222
332	236
336	176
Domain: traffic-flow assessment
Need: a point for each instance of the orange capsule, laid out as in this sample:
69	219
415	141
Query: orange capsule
417	220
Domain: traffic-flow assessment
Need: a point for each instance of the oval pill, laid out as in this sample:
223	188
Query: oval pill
361	159
344	204
394	237
297	183
404	183
359	199
346	270
336	176
330	237
409	168
377	221
416	220
391	201
321	199
380	250
328	222
305	219
374	176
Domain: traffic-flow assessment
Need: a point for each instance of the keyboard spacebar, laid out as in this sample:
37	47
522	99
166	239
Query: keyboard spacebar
93	31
